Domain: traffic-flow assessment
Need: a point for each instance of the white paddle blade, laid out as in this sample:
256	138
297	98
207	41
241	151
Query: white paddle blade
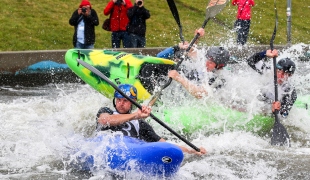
214	7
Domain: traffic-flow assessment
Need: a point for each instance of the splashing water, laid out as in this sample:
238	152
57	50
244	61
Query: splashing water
41	124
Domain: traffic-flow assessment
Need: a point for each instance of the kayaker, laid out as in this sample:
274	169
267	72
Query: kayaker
216	59
131	123
286	91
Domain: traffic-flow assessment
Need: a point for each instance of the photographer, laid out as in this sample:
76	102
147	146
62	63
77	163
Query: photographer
136	28
117	9
84	20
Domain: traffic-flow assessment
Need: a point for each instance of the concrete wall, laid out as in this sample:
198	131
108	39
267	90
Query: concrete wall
12	62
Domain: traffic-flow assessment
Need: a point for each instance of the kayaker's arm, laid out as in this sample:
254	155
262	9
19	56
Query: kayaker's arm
195	90
175	52
256	61
285	105
189	151
117	119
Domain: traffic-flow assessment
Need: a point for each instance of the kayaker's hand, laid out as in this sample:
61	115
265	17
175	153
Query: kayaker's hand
193	151
201	32
144	113
202	151
276	106
272	54
183	46
174	75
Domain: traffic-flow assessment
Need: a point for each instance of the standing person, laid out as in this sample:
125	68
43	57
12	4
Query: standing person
84	20
136	28
285	69
119	21
243	21
131	123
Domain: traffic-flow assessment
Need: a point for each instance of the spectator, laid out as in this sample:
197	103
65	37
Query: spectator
243	22
119	21
136	28
84	20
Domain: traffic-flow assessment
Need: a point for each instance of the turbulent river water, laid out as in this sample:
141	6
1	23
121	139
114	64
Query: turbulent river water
40	124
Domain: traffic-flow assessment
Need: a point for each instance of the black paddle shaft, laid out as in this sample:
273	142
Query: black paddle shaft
175	14
185	54
100	74
279	135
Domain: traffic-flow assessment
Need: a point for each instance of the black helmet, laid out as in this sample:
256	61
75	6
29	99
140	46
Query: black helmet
219	55
287	65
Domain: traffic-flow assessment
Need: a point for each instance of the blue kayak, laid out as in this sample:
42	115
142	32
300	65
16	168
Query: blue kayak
123	153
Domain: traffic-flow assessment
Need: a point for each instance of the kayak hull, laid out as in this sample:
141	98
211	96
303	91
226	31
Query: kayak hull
123	153
144	72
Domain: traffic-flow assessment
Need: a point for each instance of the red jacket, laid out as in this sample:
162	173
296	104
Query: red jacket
119	19
244	8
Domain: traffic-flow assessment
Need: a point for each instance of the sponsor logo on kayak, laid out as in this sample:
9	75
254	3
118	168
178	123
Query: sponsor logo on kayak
120	56
166	159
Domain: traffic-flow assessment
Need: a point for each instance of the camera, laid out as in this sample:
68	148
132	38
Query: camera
84	10
119	2
139	3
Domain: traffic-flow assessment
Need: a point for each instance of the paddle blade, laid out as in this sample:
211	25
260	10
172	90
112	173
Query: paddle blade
214	7
279	135
175	14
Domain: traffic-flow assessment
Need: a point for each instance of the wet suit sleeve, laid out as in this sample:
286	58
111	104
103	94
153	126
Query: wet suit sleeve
168	53
147	133
256	63
287	103
103	110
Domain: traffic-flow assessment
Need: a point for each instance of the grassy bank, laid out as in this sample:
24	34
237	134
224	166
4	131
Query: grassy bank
43	25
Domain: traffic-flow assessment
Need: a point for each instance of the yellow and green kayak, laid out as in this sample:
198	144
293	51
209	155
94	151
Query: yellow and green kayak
144	72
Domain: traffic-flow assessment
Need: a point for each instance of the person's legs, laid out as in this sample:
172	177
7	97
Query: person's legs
133	40
244	31
116	41
78	45
89	46
238	27
126	39
141	42
83	46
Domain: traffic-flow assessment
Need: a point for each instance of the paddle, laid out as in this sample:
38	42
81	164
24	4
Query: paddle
175	14
100	74
279	134
213	8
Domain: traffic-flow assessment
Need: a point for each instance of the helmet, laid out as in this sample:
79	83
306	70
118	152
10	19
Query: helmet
127	89
287	65
219	55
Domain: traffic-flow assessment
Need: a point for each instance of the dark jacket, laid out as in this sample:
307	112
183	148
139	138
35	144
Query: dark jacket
90	22
137	20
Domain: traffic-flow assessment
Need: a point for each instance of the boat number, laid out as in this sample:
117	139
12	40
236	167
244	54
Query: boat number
120	56
166	159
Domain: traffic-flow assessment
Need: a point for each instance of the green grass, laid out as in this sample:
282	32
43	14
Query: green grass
43	25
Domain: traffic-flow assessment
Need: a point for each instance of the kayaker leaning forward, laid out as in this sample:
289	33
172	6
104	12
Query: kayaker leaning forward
131	123
285	69
216	59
